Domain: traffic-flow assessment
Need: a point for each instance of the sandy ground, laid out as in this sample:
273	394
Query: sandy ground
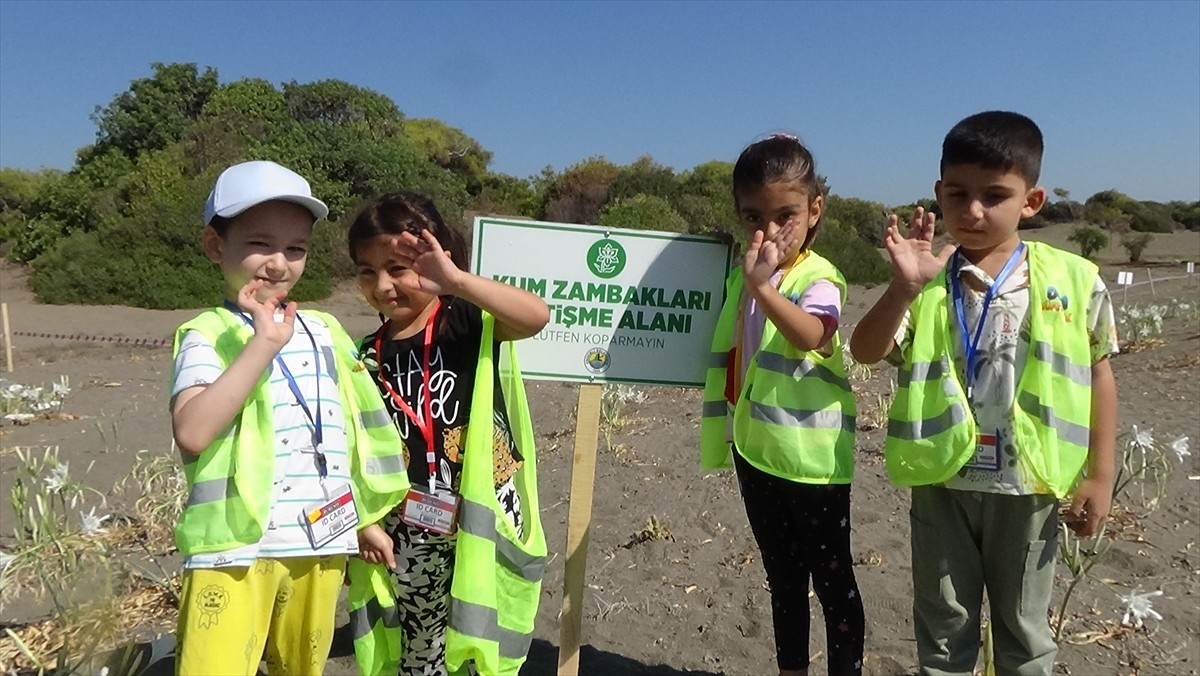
694	602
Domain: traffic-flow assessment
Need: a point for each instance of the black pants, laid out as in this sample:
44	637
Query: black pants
803	530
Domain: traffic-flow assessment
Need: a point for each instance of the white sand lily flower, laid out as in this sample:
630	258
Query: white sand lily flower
1138	607
57	479
1180	448
6	561
19	418
92	524
1143	440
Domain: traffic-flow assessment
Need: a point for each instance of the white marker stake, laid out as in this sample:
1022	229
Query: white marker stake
1124	279
1151	277
7	337
1191	268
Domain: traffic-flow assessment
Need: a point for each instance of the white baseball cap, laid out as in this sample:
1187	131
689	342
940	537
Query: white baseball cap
250	183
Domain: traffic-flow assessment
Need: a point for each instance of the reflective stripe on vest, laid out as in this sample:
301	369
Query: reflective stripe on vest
213	490
480	521
471	619
363	619
931	432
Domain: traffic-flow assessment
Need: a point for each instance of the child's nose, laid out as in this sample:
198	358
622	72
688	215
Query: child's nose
383	282
976	209
277	261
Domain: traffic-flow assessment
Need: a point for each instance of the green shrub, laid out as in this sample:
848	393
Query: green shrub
1089	240
859	262
1186	214
643	212
1135	244
1150	217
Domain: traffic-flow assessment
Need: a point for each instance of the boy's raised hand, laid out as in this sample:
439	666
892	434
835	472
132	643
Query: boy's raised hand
263	313
913	262
764	254
424	255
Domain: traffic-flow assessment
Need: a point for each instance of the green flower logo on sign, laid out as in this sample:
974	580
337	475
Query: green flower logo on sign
606	258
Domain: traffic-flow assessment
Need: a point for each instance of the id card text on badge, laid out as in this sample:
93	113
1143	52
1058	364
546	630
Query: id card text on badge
324	521
434	512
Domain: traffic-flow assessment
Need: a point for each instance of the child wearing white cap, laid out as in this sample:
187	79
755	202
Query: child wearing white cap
286	445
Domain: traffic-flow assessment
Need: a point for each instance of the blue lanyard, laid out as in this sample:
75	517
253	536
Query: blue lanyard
971	345
318	436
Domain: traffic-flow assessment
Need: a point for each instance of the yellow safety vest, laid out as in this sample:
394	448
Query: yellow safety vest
230	482
497	575
795	414
932	432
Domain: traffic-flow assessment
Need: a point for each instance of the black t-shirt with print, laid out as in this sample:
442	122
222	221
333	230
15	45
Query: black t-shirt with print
458	329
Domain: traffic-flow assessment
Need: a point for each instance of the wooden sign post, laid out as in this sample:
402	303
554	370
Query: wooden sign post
579	525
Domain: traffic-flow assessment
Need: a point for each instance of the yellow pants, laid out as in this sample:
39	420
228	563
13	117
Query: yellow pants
227	615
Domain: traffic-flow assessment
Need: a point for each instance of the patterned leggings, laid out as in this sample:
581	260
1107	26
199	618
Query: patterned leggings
802	530
424	570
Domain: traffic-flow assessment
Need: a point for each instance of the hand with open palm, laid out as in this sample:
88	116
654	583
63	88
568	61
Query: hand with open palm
436	273
913	262
765	253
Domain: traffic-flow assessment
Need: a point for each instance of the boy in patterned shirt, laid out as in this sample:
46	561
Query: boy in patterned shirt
1005	401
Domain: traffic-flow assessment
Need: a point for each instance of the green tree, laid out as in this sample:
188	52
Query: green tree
451	149
80	200
506	195
1089	240
644	177
155	111
18	189
580	192
704	198
861	218
1066	206
1150	217
858	261
642	212
1186	214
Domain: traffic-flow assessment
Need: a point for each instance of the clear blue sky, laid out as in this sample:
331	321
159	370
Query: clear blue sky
871	87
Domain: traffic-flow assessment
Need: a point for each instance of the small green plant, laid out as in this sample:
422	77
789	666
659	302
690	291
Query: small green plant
1089	240
613	398
66	548
655	530
1135	244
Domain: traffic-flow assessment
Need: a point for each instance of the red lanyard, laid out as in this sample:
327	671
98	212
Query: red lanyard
425	395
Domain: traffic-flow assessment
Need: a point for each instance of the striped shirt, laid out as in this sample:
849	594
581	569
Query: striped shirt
297	484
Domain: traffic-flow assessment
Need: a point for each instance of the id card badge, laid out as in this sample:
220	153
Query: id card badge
324	521
437	512
987	453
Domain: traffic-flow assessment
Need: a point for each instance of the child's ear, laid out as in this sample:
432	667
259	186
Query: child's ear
1034	202
212	244
816	207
